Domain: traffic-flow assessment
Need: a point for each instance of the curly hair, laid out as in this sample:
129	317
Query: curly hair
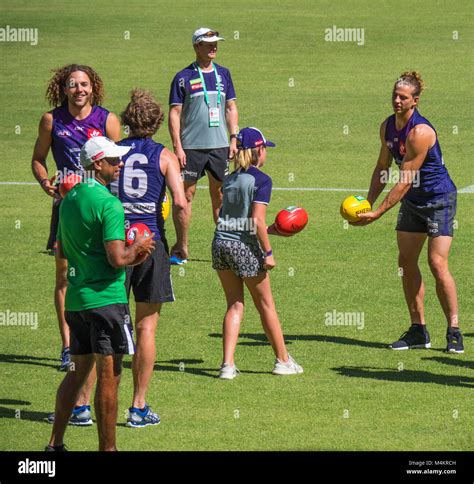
413	79
55	91
143	114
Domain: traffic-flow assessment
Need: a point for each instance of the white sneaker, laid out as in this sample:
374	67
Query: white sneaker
288	368
228	372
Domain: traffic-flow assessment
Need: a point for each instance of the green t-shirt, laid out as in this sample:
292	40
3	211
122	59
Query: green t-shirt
89	216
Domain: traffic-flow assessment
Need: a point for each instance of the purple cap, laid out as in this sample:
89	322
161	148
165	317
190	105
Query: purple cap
252	138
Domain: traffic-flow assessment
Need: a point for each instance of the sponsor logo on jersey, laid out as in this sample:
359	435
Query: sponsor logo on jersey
196	86
401	148
79	128
93	132
63	132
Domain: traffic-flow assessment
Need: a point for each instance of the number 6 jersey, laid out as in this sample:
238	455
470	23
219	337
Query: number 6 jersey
141	185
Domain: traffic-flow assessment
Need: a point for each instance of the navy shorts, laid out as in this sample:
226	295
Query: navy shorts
434	218
214	161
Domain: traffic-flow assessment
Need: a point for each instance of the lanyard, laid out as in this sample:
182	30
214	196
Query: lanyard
206	97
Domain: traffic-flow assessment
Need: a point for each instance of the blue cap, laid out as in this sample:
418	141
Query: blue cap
252	138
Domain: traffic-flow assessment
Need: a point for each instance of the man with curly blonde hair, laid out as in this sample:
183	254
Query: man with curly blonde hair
75	92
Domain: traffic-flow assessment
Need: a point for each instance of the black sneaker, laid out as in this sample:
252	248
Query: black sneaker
417	336
55	448
454	339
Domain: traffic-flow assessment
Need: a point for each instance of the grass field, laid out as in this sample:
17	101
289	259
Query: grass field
322	103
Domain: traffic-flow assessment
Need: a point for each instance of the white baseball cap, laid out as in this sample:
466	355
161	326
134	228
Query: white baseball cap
100	147
206	35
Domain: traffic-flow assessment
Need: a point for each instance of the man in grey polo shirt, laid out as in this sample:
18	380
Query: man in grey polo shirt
202	113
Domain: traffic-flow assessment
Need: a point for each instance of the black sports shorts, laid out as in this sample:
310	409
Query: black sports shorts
214	161
151	280
106	330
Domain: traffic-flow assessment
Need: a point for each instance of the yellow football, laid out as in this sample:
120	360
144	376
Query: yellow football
165	206
352	206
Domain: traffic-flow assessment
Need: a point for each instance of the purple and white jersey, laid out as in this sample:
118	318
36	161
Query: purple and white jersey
434	180
69	135
141	185
240	190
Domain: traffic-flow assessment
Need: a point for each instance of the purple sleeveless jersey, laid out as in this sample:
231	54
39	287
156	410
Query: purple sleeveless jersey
141	186
434	179
70	134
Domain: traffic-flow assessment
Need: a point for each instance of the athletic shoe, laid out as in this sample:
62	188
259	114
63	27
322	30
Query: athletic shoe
417	336
56	448
81	417
289	367
228	372
176	261
65	359
142	417
454	339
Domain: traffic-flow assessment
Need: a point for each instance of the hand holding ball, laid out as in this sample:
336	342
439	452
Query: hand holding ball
352	206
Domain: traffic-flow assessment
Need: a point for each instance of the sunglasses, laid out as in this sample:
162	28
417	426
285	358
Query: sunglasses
113	161
207	35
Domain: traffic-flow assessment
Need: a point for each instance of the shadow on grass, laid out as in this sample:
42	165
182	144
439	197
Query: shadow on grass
405	376
261	340
452	360
29	360
20	414
182	366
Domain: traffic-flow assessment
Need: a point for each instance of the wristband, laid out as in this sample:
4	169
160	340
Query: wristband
269	253
233	136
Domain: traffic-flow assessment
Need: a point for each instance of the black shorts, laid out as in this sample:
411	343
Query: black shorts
53	226
434	218
214	161
244	260
106	330
151	280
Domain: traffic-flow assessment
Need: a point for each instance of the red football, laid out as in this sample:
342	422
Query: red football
291	220
138	228
68	182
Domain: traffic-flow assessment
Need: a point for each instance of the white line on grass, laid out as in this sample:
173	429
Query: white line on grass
469	189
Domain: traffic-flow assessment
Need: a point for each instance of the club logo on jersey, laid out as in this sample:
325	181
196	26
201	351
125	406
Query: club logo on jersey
401	148
93	132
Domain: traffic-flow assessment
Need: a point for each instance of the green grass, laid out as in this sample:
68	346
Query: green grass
348	372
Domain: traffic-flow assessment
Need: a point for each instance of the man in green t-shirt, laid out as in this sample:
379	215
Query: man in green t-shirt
91	237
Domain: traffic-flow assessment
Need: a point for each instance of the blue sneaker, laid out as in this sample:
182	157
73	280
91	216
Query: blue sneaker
81	417
65	359
176	261
142	417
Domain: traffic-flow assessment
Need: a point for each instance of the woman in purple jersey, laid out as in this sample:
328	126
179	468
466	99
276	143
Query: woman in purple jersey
428	207
242	255
75	92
